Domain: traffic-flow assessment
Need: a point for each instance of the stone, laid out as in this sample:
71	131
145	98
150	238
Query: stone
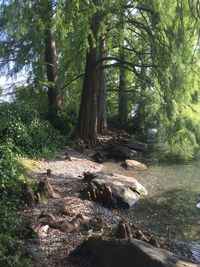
124	191
111	252
127	181
98	157
148	161
138	146
135	165
43	231
121	152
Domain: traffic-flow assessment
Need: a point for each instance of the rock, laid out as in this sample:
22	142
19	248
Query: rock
135	165
121	152
154	242
138	146
111	252
43	231
148	161
114	190
124	196
98	157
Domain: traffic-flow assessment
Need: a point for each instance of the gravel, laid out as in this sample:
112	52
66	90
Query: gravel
53	248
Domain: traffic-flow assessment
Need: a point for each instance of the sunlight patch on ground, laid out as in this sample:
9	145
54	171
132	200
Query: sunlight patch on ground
29	164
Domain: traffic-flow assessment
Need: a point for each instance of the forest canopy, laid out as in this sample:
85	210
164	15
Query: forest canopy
91	65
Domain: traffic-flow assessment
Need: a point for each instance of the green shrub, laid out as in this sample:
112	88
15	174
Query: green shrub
29	133
11	231
23	131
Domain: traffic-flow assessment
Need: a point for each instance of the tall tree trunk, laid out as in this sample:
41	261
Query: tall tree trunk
101	117
87	120
122	97
54	92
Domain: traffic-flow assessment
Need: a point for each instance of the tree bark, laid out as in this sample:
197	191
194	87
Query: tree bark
122	97
101	118
54	92
87	120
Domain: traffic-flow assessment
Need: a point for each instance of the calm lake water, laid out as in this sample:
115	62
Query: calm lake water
169	210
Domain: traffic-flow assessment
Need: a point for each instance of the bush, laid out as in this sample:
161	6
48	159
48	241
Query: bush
22	131
11	231
29	133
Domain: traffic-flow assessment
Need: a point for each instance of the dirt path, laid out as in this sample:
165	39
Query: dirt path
52	248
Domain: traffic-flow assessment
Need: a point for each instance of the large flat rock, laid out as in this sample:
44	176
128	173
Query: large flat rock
111	252
126	191
112	190
118	179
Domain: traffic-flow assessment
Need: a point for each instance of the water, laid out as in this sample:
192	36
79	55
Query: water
170	209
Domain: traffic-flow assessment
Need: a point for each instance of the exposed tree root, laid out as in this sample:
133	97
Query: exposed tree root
63	225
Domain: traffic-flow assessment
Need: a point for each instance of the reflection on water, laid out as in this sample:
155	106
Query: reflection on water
170	208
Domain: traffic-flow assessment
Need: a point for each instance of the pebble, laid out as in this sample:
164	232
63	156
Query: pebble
52	246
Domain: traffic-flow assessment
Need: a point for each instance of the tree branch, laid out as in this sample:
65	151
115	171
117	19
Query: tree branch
73	80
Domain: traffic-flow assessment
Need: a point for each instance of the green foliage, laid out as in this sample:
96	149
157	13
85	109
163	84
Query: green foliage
11	230
183	133
29	134
8	170
24	132
161	57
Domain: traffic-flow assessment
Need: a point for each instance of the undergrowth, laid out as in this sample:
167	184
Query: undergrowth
11	230
23	133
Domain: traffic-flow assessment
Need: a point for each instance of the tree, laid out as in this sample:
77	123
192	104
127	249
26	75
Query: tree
101	93
54	92
122	97
87	120
29	44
